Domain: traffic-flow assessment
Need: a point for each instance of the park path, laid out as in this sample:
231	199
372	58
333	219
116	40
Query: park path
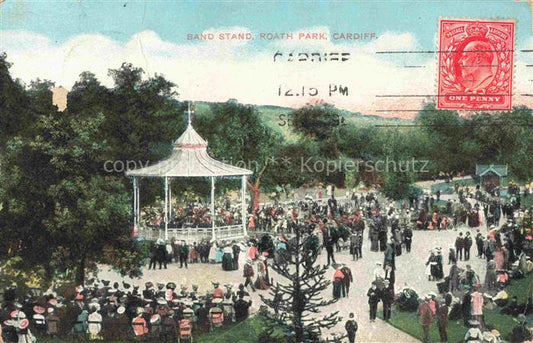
410	271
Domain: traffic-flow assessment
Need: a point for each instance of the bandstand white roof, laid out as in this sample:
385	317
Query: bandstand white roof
189	158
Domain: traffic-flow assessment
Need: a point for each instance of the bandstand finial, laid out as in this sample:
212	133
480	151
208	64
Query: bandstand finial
189	113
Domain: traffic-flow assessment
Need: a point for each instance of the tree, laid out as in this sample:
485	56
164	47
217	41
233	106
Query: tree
316	121
25	176
294	302
59	196
14	104
141	117
237	134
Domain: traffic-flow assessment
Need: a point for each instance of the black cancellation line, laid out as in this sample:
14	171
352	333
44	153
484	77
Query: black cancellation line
454	125
422	110
439	95
444	51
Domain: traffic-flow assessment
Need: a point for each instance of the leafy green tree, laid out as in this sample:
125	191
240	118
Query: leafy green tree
141	118
57	193
316	121
144	115
236	133
14	104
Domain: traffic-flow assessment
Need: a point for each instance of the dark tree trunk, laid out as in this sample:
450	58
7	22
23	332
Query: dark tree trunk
256	194
80	274
255	188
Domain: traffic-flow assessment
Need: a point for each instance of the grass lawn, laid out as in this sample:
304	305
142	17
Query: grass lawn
243	332
527	202
408	322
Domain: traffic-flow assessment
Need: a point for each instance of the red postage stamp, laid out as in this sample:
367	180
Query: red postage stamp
475	65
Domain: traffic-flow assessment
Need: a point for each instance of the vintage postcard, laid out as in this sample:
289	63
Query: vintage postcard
266	171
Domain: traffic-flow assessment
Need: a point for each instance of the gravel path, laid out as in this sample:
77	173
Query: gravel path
410	270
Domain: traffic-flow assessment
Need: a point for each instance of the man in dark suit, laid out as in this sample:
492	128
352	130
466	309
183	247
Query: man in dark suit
184	254
468	245
347	280
351	328
459	246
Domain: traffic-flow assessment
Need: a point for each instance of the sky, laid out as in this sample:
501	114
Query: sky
57	40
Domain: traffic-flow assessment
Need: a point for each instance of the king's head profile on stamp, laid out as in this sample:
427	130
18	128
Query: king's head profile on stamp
475	68
475	65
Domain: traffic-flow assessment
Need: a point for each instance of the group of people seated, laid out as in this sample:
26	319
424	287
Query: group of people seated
100	311
192	215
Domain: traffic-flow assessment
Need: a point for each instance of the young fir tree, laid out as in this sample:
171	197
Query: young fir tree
297	300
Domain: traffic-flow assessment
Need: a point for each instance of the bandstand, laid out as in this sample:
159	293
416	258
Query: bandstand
189	159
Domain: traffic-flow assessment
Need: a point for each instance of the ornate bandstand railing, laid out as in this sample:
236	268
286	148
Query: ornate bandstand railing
193	234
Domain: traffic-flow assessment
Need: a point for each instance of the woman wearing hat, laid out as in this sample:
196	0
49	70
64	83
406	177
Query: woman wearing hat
22	325
227	259
139	325
490	275
94	324
431	266
261	282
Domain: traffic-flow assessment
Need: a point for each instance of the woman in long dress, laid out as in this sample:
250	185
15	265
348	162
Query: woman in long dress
374	240
193	253
490	275
430	265
261	282
227	258
213	252
439	272
499	259
219	255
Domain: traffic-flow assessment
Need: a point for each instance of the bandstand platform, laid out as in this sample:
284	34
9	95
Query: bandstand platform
189	159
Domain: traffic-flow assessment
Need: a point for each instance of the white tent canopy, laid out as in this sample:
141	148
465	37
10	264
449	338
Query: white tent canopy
189	158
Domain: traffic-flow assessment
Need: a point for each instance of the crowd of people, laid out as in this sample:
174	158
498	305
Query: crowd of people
162	312
194	214
205	251
100	311
507	250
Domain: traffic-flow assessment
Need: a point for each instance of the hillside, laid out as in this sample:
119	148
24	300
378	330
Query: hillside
276	117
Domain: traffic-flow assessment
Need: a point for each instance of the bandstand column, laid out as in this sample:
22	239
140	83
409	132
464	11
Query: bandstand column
169	198
135	203
243	205
166	208
213	216
138	208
